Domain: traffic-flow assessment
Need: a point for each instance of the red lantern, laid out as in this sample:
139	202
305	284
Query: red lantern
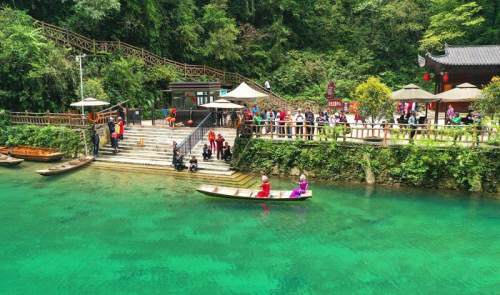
445	77
427	76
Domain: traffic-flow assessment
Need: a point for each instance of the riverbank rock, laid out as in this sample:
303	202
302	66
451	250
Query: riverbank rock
369	175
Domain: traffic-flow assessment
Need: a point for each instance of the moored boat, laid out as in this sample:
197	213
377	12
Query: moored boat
33	153
66	167
249	194
9	161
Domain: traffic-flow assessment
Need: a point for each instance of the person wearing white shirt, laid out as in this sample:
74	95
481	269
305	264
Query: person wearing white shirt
299	124
267	85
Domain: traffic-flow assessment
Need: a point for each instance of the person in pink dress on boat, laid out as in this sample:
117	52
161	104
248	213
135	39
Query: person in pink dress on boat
301	189
265	188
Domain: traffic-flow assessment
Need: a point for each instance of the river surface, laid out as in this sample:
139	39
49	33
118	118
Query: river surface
105	232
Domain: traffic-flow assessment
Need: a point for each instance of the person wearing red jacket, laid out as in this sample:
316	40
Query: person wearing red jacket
211	139
220	145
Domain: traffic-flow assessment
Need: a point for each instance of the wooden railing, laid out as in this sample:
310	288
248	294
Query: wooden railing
64	119
383	133
71	39
60	119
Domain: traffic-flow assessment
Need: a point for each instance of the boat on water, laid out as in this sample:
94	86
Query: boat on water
249	194
66	167
9	161
33	153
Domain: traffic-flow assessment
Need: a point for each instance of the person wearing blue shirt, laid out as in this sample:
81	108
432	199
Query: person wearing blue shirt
255	110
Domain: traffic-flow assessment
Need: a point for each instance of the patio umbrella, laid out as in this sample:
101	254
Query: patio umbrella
244	92
89	102
465	92
221	104
412	92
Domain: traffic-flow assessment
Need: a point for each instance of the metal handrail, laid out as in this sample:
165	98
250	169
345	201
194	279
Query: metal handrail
187	145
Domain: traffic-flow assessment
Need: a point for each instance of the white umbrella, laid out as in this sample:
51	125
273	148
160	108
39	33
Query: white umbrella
243	92
465	92
89	102
412	92
221	104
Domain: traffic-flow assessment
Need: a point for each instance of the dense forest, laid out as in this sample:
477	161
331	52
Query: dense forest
298	45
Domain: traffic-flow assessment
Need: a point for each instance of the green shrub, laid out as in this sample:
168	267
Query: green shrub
64	139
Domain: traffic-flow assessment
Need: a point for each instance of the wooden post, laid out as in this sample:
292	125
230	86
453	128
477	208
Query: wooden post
436	113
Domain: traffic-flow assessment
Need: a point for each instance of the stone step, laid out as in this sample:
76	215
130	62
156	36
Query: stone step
164	164
213	164
234	180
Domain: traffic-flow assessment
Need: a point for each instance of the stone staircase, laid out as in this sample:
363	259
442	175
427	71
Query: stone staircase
158	151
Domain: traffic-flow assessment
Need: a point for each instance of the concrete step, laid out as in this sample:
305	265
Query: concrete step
236	179
164	164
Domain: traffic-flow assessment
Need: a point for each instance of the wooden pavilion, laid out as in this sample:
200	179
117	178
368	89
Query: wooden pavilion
462	64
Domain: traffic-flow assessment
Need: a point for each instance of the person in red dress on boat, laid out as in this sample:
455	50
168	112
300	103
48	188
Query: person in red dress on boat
265	188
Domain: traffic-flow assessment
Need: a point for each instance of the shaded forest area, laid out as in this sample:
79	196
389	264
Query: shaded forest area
298	45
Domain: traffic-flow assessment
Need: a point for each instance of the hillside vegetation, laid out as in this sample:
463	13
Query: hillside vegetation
298	45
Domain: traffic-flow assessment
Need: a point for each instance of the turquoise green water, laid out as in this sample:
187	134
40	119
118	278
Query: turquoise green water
101	232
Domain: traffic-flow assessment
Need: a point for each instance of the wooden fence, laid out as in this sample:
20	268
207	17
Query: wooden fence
376	133
71	39
60	119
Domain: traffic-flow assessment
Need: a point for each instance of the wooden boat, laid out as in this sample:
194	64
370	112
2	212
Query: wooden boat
249	194
33	153
9	161
4	150
66	167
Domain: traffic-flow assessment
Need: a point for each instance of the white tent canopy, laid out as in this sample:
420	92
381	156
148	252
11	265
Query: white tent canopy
244	92
89	102
221	104
412	92
462	93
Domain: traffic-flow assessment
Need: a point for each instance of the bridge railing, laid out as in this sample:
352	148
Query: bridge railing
62	119
470	135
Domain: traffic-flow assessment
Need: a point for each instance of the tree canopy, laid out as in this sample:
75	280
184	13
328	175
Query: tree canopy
298	45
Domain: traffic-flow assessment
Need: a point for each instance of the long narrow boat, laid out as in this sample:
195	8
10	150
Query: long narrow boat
248	194
9	161
66	167
33	153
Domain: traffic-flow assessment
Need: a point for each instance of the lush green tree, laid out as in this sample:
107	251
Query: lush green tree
455	26
374	99
123	80
351	39
221	33
490	98
34	72
187	31
93	87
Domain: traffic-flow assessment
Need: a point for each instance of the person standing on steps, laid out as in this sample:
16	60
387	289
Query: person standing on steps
121	124
220	145
112	134
211	139
95	141
267	85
